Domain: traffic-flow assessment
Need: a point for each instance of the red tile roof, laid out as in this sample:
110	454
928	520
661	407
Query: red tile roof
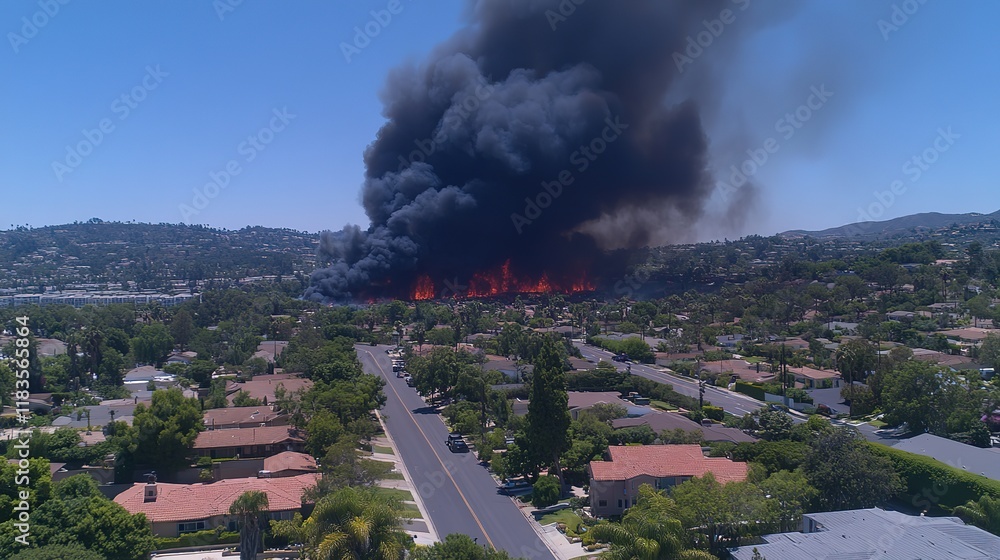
238	437
662	461
185	502
290	461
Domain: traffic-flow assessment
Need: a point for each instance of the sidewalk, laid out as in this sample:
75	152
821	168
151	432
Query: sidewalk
422	530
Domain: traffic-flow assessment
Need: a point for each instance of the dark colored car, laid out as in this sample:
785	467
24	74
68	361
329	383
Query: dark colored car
620	358
456	443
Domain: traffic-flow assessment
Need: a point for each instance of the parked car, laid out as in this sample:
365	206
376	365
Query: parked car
456	443
511	486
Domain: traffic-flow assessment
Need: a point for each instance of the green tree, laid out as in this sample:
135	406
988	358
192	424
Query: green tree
182	328
323	430
458	547
847	474
989	352
166	430
548	413
545	491
774	425
984	514
248	510
79	514
152	344
355	524
650	530
855	360
345	465
917	393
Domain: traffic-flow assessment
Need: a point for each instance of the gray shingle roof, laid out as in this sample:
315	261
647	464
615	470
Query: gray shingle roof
875	534
985	462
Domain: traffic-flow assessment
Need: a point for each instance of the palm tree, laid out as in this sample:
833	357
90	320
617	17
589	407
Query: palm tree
355	524
984	514
248	509
650	530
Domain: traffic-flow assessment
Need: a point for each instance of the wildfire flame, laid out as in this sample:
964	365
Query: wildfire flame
424	288
502	280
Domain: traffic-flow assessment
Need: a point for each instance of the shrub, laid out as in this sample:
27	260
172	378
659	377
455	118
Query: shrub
931	483
714	412
545	492
750	390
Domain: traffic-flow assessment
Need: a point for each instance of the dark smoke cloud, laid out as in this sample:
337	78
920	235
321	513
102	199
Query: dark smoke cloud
505	107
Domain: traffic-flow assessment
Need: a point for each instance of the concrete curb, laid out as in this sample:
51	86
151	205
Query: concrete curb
401	466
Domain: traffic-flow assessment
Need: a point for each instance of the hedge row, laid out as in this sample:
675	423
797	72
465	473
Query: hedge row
750	390
200	538
931	483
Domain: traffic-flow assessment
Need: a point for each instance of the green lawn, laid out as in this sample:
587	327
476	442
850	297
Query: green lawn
410	511
753	359
394	476
877	423
382	449
567	516
663	405
396	494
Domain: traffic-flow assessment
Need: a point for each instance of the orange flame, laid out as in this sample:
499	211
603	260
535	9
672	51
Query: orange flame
424	289
503	281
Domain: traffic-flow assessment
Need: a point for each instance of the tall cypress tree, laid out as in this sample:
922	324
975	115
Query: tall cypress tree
548	410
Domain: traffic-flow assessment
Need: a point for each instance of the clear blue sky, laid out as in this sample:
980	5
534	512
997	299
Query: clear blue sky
225	78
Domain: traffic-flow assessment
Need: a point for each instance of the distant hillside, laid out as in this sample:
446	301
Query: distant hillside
927	221
150	256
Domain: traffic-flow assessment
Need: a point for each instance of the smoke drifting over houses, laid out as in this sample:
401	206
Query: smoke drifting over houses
538	137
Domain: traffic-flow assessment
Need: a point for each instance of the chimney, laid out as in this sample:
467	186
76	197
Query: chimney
151	492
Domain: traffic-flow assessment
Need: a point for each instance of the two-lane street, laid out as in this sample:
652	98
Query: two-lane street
733	403
459	494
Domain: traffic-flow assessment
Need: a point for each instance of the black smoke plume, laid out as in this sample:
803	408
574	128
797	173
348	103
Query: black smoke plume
465	174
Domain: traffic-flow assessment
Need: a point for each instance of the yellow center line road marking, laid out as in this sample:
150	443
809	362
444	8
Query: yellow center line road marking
433	450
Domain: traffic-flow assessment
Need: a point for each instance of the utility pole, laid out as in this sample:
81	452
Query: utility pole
784	377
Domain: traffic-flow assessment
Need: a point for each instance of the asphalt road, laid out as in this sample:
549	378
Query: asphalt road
733	403
458	493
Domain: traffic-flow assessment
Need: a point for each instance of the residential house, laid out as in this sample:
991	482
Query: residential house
175	509
579	401
249	442
729	340
670	421
876	533
984	462
615	482
244	417
812	378
182	357
262	387
900	316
